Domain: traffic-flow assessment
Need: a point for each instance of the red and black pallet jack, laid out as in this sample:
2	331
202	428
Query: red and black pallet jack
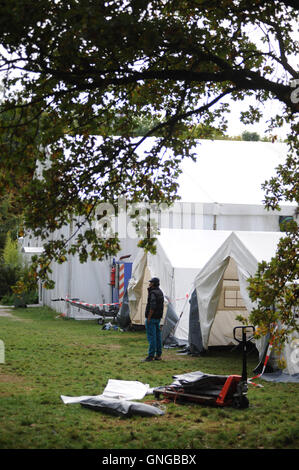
217	390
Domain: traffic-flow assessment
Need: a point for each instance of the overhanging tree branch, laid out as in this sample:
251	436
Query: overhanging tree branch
96	69
182	116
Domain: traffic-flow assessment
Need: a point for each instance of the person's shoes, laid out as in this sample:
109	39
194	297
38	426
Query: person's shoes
148	359
158	358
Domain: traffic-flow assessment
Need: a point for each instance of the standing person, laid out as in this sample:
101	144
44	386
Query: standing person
153	315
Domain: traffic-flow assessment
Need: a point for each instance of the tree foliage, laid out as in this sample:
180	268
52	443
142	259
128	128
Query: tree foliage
9	220
11	254
75	69
250	136
276	291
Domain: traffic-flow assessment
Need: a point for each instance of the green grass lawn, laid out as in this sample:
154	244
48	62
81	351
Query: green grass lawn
46	357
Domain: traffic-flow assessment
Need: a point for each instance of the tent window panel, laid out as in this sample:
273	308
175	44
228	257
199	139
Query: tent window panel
230	294
230	303
230	298
240	301
233	298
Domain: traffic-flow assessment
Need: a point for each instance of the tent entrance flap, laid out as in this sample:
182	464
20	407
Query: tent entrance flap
208	293
138	317
138	292
230	305
220	302
194	338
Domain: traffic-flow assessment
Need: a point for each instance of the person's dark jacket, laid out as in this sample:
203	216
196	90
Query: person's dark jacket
155	302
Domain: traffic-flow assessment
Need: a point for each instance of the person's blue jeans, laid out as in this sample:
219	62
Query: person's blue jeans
154	338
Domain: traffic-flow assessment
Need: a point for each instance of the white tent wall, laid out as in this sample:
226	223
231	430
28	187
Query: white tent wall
90	283
291	355
218	216
230	171
61	278
87	281
95	277
226	171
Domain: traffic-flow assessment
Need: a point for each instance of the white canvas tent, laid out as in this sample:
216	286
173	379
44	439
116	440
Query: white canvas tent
180	255
246	249
220	191
237	170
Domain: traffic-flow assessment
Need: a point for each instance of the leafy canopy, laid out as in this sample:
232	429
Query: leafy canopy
74	69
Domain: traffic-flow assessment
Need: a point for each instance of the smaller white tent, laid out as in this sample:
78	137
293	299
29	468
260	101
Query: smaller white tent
246	249
180	254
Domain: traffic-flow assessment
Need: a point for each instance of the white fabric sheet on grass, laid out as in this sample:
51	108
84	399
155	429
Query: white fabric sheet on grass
120	389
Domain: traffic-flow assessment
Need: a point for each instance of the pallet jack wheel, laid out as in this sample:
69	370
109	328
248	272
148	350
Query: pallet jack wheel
240	402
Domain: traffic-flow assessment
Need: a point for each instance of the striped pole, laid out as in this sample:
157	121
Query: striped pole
121	283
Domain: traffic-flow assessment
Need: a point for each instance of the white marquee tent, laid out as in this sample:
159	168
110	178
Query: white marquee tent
226	171
230	171
221	190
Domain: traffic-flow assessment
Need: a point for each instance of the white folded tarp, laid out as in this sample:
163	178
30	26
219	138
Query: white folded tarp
69	400
118	389
126	390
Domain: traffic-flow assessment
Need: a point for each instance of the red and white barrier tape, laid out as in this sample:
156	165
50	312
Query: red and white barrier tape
183	298
268	354
77	302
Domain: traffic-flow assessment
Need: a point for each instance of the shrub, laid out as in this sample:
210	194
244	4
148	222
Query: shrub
8	277
11	270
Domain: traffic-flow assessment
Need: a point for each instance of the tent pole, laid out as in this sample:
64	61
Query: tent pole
69	274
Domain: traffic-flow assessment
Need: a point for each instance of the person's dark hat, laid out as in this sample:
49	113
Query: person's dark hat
155	281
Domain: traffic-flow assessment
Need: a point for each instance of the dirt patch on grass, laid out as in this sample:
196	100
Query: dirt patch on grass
8	313
11	379
96	347
13	384
113	346
4	312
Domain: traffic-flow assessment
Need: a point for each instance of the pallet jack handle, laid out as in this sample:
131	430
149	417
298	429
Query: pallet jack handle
243	341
